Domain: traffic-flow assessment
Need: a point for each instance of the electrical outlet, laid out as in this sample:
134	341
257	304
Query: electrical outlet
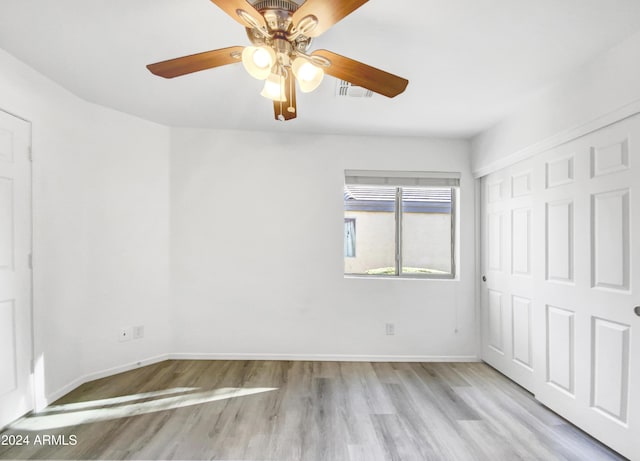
126	334
138	332
390	329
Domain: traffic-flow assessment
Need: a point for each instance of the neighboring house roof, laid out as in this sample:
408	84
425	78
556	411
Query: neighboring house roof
414	199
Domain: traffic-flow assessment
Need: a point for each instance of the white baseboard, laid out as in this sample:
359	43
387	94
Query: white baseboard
325	357
64	390
127	367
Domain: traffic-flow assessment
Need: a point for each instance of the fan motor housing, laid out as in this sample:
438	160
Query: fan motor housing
278	16
289	5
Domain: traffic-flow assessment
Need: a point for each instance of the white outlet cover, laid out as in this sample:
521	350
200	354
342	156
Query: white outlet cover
138	332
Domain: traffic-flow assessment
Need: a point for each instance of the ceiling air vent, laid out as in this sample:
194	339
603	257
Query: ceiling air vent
346	89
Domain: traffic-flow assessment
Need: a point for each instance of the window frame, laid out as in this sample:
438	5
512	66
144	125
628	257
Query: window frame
355	236
399	214
399	228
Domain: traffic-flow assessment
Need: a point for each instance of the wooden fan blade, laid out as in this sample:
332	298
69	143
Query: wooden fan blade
196	62
363	75
328	12
284	109
231	6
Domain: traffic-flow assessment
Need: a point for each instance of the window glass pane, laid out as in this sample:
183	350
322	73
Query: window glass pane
426	230
372	212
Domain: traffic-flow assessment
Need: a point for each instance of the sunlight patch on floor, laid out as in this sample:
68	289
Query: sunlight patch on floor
41	422
114	400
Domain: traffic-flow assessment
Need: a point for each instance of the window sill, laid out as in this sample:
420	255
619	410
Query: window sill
442	278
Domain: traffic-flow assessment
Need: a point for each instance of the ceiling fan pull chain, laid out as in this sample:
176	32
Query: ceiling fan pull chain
291	109
281	116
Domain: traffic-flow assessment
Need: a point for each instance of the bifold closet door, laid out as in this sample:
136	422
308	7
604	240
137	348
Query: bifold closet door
574	211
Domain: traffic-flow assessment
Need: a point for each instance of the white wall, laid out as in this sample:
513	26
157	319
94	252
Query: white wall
100	183
281	292
591	96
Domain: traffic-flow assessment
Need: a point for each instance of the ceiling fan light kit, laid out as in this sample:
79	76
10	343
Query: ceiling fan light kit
258	61
274	88
308	75
281	32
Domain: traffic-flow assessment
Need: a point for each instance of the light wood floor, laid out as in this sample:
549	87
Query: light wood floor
303	411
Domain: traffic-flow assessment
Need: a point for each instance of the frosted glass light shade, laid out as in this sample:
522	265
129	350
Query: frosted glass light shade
309	76
274	88
258	60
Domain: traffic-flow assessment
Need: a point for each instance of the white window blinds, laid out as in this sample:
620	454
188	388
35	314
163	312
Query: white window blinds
402	178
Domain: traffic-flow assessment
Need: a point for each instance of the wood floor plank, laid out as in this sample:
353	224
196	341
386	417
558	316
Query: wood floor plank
502	415
443	394
303	411
487	444
399	444
439	422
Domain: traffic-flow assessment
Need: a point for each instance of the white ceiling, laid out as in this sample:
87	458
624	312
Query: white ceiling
469	62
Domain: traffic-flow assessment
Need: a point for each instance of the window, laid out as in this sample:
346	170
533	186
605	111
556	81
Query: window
406	224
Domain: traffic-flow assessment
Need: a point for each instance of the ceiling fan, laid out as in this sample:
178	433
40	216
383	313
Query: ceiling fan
281	32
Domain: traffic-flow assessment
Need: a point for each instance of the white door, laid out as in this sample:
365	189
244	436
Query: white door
508	273
16	396
579	217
